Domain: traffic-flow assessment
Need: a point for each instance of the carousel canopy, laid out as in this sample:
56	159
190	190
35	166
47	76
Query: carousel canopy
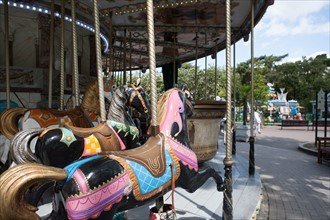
184	29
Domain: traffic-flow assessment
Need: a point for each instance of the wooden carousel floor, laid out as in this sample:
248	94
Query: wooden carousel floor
207	202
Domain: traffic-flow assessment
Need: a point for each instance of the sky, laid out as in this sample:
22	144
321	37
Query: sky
299	28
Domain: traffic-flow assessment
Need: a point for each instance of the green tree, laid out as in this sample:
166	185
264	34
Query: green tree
261	70
206	85
304	78
146	83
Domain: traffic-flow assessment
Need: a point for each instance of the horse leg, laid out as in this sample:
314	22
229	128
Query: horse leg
191	180
5	166
59	211
5	159
35	195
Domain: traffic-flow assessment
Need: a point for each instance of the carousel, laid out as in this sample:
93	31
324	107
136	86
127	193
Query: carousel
92	160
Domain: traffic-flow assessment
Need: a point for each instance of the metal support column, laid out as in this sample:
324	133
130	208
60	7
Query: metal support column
234	103
251	139
51	54
5	4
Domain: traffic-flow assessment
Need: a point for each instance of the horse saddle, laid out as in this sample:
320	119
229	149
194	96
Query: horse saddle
151	155
102	132
76	115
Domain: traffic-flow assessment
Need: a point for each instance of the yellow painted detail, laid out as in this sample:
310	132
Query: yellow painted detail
92	146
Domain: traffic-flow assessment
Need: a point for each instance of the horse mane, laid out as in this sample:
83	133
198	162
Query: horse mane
90	101
117	106
162	105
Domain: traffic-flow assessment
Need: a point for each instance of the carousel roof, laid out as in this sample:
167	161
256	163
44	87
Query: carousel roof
178	25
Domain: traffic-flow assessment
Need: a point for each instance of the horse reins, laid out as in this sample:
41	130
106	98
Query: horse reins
136	91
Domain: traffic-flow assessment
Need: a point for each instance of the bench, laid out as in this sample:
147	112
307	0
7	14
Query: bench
323	149
294	123
320	124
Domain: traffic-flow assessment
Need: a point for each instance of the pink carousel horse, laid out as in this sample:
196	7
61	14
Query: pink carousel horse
99	186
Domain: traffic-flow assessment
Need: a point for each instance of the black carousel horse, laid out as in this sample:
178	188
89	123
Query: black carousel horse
60	147
86	115
99	186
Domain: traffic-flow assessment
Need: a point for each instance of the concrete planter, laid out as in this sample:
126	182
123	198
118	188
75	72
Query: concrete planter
203	128
243	132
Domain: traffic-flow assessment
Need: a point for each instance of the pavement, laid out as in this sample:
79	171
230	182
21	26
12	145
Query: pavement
294	185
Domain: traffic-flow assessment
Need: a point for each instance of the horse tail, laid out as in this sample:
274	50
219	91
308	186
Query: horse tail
9	121
20	147
16	181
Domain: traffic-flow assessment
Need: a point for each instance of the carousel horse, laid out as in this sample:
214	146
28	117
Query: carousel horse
99	186
86	115
59	147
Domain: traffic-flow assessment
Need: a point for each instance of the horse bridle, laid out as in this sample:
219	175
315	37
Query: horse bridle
136	92
189	102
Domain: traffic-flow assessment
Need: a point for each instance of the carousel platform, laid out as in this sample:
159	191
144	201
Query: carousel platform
207	203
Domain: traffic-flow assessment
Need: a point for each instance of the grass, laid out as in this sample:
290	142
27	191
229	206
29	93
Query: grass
309	145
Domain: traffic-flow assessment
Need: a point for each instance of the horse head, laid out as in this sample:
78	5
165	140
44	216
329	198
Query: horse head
137	99
109	86
190	102
91	101
173	108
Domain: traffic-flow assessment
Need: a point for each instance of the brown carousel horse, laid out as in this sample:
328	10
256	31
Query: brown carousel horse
86	115
18	119
99	186
60	147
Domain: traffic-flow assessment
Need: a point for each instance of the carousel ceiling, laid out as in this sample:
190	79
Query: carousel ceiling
184	29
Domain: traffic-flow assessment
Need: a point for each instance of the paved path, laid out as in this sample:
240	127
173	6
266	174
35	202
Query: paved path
297	186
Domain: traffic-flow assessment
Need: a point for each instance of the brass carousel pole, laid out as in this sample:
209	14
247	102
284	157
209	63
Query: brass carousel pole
174	69
124	60
228	162
152	69
121	66
196	57
251	140
130	57
205	75
215	69
62	80
75	79
51	53
152	66
5	4
99	61
111	54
